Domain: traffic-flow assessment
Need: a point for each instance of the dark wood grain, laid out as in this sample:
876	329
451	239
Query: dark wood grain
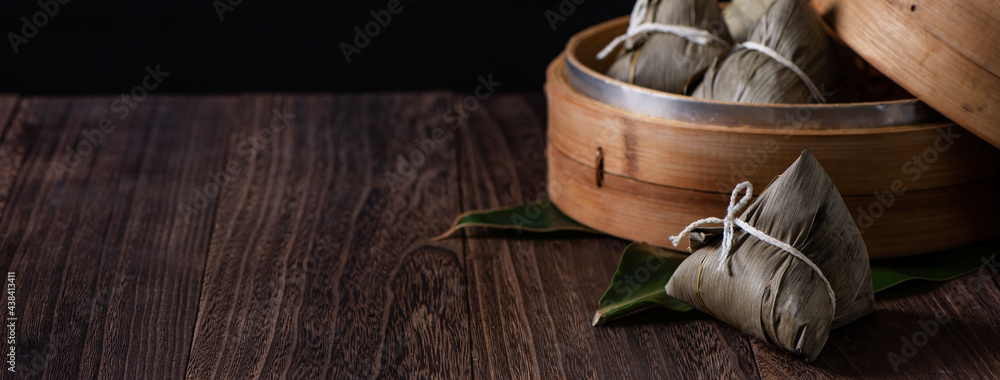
951	327
13	147
142	259
320	265
108	272
532	300
8	102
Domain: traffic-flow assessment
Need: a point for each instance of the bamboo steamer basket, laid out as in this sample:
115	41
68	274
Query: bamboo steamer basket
642	164
947	53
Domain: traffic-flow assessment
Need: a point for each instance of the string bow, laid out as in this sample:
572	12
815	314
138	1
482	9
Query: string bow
728	235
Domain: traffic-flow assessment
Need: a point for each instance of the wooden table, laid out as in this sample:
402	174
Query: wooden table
286	236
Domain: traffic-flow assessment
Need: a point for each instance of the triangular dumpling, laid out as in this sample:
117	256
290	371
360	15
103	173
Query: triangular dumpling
665	61
794	32
766	291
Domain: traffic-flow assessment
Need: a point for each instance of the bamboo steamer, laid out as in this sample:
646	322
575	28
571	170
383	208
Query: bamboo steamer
642	164
947	53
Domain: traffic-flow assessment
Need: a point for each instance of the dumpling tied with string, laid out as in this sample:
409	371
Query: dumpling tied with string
668	42
796	265
787	58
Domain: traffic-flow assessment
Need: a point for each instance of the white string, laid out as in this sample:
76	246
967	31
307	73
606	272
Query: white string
727	223
816	93
728	236
636	27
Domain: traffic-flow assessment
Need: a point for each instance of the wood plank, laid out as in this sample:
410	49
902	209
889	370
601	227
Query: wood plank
532	300
107	270
320	265
952	326
13	146
8	102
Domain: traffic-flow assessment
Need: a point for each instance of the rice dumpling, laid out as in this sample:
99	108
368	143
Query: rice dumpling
741	15
667	42
787	58
792	267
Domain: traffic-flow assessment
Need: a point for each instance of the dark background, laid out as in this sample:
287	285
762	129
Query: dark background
288	46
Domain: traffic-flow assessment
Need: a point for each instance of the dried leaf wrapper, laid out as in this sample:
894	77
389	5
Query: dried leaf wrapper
792	30
769	293
667	61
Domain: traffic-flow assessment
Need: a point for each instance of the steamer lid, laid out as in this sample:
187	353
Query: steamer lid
946	53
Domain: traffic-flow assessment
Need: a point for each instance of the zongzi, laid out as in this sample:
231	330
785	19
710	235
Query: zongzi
792	267
667	42
787	58
741	15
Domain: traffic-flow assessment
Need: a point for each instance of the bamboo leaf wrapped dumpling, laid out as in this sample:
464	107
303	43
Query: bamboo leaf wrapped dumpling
792	267
787	58
668	42
741	15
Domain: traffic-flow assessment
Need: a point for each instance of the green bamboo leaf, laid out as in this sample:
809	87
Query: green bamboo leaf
644	270
542	216
631	289
642	273
941	266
